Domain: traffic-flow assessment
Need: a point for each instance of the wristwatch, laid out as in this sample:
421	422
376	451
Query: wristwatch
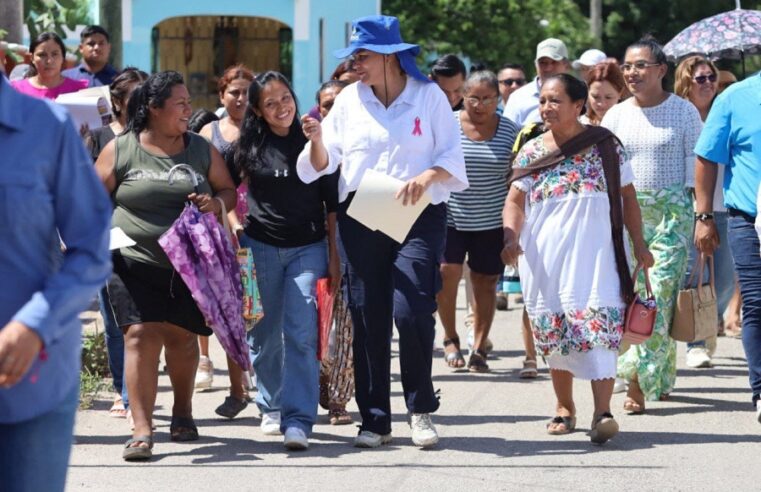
703	217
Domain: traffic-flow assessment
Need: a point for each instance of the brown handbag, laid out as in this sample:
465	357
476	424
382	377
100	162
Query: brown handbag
695	313
640	314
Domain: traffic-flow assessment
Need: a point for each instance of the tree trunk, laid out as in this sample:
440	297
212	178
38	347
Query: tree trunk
595	20
11	19
111	21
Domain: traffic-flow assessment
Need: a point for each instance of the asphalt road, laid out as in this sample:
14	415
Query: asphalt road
492	438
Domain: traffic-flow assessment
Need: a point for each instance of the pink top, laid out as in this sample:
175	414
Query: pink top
68	85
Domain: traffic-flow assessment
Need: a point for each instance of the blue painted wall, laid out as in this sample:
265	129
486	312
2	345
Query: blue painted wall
145	14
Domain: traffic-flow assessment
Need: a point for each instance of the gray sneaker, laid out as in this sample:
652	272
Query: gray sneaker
367	439
423	432
295	439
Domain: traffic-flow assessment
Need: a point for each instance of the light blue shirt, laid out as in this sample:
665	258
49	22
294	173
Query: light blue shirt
47	187
732	134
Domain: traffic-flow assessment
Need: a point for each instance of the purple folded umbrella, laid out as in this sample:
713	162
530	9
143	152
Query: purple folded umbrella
203	255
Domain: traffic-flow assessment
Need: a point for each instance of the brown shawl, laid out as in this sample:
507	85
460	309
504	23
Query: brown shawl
606	143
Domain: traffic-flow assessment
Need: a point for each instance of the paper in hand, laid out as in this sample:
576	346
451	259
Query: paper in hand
89	110
376	207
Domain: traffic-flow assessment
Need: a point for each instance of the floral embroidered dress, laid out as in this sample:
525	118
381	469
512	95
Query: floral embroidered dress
568	268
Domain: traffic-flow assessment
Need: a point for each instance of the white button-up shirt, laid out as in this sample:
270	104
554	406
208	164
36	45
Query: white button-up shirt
415	133
523	106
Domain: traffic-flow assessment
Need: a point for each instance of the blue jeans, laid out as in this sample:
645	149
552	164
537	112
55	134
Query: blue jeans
284	342
34	455
114	345
744	243
723	267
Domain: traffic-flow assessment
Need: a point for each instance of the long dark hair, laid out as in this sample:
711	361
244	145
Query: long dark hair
44	37
152	93
122	84
255	132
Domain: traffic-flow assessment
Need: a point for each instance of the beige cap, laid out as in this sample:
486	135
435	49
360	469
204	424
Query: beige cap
552	48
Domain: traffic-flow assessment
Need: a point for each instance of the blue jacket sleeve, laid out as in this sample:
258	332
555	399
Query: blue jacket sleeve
83	218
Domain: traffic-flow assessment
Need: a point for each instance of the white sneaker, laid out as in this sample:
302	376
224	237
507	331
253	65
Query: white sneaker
295	439
698	357
758	411
620	385
423	432
204	374
270	425
367	439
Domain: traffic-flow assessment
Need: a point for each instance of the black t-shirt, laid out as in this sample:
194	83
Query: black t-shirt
284	211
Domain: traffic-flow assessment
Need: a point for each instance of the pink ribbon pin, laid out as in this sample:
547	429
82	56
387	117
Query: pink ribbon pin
417	131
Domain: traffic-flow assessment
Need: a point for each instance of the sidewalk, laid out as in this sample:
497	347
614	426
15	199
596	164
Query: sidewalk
492	438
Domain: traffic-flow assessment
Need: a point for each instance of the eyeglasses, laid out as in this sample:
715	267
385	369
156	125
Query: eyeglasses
639	66
509	82
486	101
701	79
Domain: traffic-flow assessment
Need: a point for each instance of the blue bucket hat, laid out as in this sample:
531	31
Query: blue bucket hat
380	34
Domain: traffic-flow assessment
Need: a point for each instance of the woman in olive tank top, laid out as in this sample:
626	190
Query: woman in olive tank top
150	301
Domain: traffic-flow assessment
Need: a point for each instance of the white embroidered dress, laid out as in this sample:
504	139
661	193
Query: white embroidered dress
568	268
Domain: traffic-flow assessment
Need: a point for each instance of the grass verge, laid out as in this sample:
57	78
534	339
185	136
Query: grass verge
94	368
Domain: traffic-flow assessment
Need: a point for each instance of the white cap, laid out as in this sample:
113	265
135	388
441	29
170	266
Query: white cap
590	58
551	48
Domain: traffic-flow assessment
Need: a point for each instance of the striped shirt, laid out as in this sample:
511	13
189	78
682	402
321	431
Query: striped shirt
479	208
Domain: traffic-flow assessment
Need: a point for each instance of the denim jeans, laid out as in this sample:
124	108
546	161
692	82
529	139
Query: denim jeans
34	455
284	342
114	345
723	267
744	243
386	284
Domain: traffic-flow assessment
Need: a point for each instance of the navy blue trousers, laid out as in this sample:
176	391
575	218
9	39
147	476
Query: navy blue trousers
744	243
386	282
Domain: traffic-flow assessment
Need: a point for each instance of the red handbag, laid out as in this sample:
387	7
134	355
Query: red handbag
325	300
640	314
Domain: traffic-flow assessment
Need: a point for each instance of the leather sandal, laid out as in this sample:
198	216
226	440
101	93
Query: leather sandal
231	407
633	407
603	428
183	429
477	362
138	453
455	360
529	370
568	422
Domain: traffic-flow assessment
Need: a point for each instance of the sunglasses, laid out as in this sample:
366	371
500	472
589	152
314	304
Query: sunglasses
509	82
701	79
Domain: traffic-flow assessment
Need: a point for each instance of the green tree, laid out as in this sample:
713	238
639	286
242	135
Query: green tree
53	15
625	21
490	31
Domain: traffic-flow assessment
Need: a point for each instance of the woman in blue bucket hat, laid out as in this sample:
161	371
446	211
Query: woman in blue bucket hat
395	122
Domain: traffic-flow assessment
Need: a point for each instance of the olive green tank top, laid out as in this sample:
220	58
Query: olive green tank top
146	205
